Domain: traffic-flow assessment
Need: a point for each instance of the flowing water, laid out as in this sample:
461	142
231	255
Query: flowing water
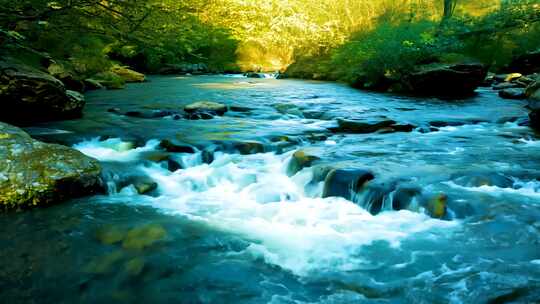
236	228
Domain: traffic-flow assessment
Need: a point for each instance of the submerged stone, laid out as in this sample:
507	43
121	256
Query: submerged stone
145	186
358	127
142	237
436	206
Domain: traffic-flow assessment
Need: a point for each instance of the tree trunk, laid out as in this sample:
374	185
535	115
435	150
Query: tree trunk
449	6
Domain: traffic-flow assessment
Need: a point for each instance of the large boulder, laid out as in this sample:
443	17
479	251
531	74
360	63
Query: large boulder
30	95
69	80
528	63
34	174
127	74
446	80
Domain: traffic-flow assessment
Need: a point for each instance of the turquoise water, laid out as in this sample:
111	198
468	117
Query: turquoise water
238	229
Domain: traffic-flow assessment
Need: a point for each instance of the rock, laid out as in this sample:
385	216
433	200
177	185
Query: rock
300	160
68	79
205	108
184	68
446	80
150	114
92	84
254	75
175	147
512	77
244	147
528	63
134	266
516	93
345	182
109	235
288	109
506	85
357	127
145	186
128	75
533	91
403	197
534	119
30	95
36	174
110	80
436	207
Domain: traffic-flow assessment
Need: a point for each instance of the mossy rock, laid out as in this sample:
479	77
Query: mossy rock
436	207
34	174
127	74
110	80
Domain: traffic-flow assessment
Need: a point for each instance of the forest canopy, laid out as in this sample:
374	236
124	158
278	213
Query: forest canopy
333	38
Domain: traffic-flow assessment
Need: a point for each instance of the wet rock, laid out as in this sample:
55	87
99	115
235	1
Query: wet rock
145	186
301	159
517	93
533	91
245	147
173	165
288	109
512	77
437	206
446	80
35	96
175	147
150	114
357	127
92	84
142	237
506	85
534	118
110	80
240	109
345	182
404	196
205	109
127	74
254	75
35	174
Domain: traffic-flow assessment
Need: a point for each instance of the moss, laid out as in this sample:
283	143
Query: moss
110	80
142	237
134	266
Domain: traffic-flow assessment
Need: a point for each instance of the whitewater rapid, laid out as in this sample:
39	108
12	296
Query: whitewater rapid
251	196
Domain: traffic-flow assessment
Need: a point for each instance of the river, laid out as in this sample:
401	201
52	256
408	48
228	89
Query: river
238	229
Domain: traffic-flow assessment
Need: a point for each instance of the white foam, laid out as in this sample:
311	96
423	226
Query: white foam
252	197
114	149
523	188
